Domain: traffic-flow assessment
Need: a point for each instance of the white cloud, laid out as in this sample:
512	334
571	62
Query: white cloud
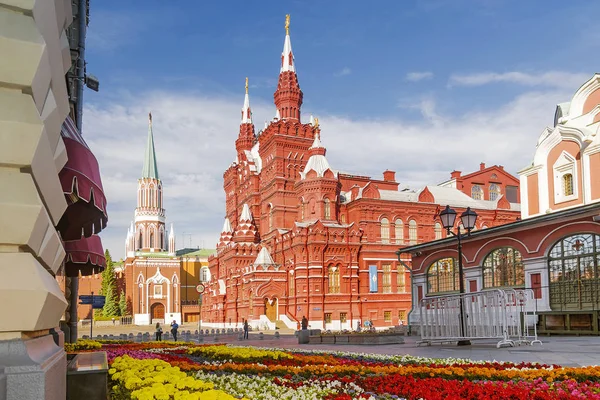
345	71
418	76
195	135
555	79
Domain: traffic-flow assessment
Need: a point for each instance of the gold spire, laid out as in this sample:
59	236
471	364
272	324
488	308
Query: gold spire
287	24
316	122
246	85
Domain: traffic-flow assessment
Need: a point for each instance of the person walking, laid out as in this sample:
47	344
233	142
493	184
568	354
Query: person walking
174	327
158	332
304	323
246	328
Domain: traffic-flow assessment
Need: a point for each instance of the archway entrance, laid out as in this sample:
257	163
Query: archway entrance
157	311
271	309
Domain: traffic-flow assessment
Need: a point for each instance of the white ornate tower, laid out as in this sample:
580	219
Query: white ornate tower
150	214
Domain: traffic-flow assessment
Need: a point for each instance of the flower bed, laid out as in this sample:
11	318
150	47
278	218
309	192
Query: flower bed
169	370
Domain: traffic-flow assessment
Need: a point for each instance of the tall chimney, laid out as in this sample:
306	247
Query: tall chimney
482	166
389	176
454	174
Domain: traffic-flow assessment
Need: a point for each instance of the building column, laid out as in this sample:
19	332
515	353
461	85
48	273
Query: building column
33	105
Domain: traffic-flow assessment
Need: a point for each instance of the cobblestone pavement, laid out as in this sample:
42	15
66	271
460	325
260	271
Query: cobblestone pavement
561	350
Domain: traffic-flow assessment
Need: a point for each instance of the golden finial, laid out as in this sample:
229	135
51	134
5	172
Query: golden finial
287	24
150	118
316	122
246	85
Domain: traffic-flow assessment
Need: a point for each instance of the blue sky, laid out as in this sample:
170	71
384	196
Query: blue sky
409	74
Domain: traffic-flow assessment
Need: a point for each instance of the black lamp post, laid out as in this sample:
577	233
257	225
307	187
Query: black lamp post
468	218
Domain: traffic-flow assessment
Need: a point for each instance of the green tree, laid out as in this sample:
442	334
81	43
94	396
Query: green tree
123	304
109	288
111	307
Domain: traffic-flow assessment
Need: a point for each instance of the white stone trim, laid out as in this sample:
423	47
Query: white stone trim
565	164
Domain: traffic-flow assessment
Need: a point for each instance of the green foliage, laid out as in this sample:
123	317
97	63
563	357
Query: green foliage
109	288
111	306
123	304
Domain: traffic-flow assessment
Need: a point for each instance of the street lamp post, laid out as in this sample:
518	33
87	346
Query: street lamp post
468	218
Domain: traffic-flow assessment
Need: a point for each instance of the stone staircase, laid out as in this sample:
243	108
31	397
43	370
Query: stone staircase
283	329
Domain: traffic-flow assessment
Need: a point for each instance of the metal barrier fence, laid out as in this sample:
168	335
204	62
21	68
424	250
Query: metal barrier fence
503	314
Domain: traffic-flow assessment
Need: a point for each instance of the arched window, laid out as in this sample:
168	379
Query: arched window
251	301
327	209
204	274
442	276
574	273
503	267
567	183
401	279
152	199
271	217
399	231
142	196
141	241
161	237
302	208
385	230
151	239
334	280
159	197
494	192
412	231
477	192
438	231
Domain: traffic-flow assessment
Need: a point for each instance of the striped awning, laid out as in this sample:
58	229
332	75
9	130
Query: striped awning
82	186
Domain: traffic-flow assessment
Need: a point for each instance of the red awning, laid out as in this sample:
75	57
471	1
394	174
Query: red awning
82	186
85	255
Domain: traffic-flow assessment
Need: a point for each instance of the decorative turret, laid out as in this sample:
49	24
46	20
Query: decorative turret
172	240
245	139
318	188
226	234
245	230
288	96
317	161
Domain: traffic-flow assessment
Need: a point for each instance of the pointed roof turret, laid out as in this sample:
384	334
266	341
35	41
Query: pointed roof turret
246	112
172	231
287	56
227	226
226	234
288	96
150	169
317	160
246	230
264	258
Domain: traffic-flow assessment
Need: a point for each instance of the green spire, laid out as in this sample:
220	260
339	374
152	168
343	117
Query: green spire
150	169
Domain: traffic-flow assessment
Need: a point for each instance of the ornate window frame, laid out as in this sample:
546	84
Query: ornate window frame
565	164
437	270
503	267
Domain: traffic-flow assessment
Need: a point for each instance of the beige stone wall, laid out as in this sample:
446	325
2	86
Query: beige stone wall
33	105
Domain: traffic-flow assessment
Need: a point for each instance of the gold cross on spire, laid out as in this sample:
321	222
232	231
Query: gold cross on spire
246	85
287	24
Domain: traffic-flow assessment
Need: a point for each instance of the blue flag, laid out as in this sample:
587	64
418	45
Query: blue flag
373	278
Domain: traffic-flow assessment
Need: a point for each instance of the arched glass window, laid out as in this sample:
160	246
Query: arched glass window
503	267
399	231
567	182
270	217
442	276
477	192
327	209
151	239
385	230
412	231
574	276
140	241
162	239
152	199
438	231
334	280
494	192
